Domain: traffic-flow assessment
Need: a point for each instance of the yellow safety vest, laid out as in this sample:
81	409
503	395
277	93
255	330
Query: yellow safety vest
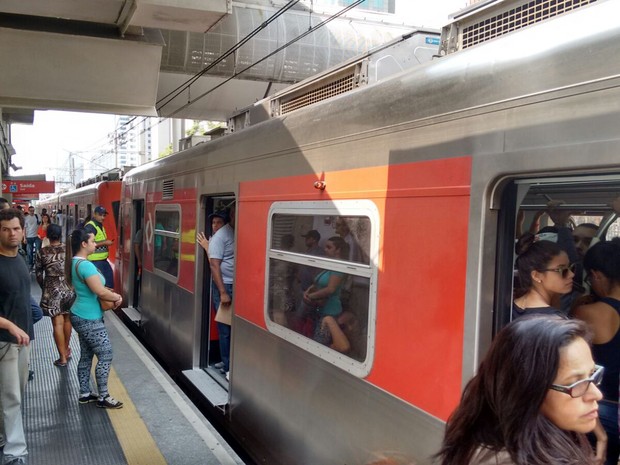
101	252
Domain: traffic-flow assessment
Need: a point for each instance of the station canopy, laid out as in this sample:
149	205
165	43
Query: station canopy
126	56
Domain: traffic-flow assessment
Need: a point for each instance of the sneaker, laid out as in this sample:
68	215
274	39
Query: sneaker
109	402
219	365
88	398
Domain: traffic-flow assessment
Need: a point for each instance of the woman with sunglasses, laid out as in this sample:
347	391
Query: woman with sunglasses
545	274
602	265
526	406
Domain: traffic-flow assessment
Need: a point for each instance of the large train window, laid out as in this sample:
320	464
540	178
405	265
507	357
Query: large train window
166	239
321	279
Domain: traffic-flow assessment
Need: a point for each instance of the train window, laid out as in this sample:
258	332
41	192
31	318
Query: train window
321	275
166	239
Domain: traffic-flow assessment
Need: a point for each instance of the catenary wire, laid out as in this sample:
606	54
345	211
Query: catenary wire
279	49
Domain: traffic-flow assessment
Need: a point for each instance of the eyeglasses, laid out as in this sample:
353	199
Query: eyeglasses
563	270
579	388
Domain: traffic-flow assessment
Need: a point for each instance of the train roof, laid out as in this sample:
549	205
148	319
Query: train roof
550	57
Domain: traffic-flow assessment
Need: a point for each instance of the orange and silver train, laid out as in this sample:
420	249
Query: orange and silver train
424	174
76	207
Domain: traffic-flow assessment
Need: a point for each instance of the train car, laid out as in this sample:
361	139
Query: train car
76	206
427	175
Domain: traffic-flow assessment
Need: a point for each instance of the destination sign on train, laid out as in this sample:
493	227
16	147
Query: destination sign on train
24	186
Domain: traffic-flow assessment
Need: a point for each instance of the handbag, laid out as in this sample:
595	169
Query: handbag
106	304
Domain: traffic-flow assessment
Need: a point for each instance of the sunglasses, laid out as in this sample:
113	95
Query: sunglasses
579	388
563	270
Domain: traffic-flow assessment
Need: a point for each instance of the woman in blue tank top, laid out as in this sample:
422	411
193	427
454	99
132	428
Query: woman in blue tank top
602	265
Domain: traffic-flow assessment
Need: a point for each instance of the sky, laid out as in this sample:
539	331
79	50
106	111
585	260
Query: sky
46	144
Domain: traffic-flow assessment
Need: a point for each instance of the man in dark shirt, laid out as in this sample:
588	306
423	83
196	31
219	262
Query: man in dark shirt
15	334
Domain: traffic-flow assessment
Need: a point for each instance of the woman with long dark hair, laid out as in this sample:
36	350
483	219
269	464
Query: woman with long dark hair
602	265
42	230
532	401
545	274
325	292
322	300
87	318
49	269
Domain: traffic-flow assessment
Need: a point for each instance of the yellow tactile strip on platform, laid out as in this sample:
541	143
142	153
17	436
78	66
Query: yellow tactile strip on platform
133	435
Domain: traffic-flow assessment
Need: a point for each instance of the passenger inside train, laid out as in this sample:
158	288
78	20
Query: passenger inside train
592	227
323	303
602	266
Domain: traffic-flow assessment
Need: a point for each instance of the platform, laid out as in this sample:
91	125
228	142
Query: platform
157	425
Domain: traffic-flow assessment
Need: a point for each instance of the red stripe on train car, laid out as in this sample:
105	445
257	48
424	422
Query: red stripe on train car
424	211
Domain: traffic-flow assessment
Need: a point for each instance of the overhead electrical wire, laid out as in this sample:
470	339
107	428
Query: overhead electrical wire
191	80
185	85
278	50
226	54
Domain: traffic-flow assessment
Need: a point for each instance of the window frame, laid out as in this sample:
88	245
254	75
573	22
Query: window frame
169	234
353	208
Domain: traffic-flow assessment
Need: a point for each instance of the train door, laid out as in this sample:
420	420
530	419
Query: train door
210	357
137	250
575	212
76	216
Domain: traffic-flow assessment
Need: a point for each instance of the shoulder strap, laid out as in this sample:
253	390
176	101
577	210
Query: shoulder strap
316	278
612	302
77	267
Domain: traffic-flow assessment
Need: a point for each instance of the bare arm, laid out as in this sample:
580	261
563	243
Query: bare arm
22	337
339	339
137	250
38	267
94	284
323	293
203	242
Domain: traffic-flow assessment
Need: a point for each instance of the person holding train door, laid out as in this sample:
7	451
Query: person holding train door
221	250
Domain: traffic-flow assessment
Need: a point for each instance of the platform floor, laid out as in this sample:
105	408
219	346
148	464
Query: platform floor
157	425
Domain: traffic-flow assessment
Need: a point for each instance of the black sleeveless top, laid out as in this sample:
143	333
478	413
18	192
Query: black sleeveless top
608	355
518	312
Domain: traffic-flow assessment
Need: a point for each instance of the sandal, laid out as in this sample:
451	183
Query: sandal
69	353
58	363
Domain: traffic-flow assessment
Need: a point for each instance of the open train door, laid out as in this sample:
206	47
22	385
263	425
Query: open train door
210	350
137	244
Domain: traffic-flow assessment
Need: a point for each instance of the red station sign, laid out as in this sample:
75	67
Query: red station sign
24	186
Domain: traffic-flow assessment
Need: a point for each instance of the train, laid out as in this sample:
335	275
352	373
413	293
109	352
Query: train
75	207
429	173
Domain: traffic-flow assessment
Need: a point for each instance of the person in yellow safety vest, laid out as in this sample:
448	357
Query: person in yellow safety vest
100	257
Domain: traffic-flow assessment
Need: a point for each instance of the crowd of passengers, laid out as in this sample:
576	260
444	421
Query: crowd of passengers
545	393
72	289
324	305
568	271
